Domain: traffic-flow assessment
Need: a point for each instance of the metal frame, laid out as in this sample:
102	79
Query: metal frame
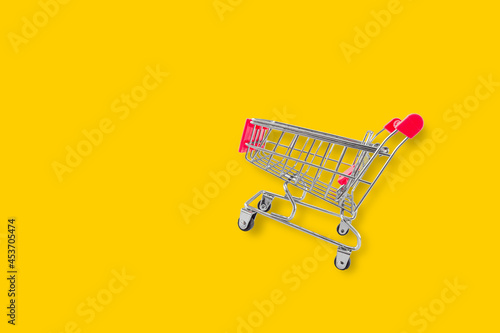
294	165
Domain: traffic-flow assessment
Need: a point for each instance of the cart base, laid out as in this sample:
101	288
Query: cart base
249	213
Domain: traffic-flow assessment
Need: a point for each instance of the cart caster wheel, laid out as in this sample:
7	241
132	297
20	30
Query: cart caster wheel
346	266
342	232
264	209
248	226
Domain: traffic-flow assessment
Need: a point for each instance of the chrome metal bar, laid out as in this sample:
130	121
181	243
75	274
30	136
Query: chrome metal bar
300	154
307	163
286	220
322	136
381	170
375	154
321	164
262	151
289	151
307	156
276	146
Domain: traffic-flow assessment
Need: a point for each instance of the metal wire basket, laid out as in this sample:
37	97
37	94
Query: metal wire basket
327	166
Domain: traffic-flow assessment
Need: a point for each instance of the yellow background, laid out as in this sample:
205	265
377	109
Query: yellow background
120	208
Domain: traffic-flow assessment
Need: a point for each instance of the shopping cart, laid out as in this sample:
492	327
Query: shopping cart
327	166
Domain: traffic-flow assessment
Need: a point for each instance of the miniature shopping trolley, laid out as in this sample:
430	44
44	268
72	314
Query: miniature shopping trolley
324	165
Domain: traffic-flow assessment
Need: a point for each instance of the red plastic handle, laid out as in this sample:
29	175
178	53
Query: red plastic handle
343	180
411	125
247	136
391	126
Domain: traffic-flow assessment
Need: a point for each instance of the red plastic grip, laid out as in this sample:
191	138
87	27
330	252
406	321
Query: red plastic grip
247	136
343	180
391	126
411	125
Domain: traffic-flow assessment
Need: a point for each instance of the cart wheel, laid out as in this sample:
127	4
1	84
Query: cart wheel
265	210
340	231
249	225
346	266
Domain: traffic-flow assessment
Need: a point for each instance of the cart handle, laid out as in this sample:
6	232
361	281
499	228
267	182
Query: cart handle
411	125
391	126
247	135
